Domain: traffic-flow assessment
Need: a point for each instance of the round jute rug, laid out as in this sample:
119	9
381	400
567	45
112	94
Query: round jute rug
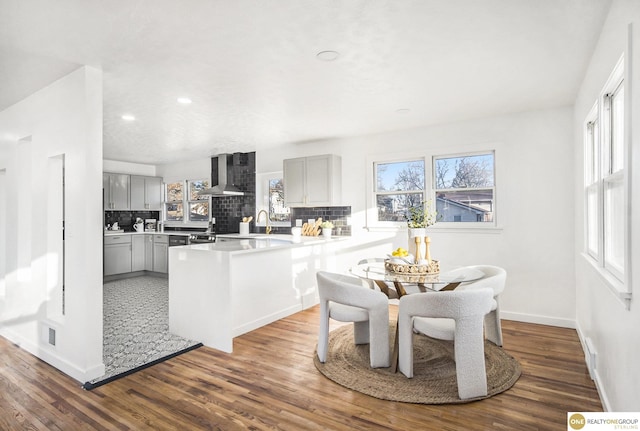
434	380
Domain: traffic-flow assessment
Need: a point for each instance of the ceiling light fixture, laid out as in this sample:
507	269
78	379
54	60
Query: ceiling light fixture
327	55
402	111
128	117
184	100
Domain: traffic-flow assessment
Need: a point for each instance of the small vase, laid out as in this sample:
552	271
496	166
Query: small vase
419	244
326	232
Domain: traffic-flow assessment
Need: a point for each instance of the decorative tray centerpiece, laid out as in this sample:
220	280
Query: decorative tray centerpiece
402	267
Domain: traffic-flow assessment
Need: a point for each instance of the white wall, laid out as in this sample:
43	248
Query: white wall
63	118
601	316
534	162
191	170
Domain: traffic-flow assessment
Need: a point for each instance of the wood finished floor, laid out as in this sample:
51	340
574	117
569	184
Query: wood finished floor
270	382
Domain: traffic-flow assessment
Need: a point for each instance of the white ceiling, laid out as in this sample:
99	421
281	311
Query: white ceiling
250	66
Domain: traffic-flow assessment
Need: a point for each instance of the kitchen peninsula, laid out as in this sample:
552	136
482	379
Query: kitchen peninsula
218	291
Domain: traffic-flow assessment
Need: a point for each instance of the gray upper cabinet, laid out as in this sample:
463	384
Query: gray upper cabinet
116	191
146	193
313	181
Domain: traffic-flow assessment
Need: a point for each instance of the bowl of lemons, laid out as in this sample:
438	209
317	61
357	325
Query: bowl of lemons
400	261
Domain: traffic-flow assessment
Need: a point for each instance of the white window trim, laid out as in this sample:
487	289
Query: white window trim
262	199
188	202
468	225
592	117
619	284
371	216
185	222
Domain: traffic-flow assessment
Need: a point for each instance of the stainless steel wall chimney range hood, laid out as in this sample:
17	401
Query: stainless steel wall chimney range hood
225	178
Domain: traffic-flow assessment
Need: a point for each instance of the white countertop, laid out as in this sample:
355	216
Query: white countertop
236	243
111	233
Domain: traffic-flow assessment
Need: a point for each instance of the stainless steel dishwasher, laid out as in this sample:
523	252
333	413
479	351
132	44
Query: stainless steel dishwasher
175	240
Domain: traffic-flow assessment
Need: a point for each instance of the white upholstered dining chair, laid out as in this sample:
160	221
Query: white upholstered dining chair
467	310
494	278
345	299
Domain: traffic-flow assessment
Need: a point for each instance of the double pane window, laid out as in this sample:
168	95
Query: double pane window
465	188
462	187
184	194
605	178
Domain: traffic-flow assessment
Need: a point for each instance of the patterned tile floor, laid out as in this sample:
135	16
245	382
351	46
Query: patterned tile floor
136	326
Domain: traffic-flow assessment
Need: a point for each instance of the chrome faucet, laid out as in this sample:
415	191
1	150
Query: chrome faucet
266	216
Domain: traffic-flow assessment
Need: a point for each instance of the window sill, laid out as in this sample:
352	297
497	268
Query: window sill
491	230
615	286
175	223
274	224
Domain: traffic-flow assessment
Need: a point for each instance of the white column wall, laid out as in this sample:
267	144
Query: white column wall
62	118
613	330
535	164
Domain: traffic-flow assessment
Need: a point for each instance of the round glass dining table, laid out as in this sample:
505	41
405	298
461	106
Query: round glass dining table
446	279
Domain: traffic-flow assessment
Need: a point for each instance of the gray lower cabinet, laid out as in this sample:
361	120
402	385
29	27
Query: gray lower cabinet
117	254
138	252
160	253
148	252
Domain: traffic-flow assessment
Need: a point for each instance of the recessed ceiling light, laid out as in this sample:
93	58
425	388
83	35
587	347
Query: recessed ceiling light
128	117
327	55
402	111
184	100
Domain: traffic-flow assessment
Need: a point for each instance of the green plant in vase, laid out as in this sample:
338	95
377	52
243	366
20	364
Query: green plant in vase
419	218
327	227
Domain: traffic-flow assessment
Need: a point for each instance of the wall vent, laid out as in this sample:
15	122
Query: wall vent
52	336
590	357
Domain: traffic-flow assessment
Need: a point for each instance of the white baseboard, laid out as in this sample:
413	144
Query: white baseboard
255	324
541	320
53	359
606	406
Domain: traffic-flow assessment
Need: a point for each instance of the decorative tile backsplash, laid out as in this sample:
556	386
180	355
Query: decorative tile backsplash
126	219
229	210
339	216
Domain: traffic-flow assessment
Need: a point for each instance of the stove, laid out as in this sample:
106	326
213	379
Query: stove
202	238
